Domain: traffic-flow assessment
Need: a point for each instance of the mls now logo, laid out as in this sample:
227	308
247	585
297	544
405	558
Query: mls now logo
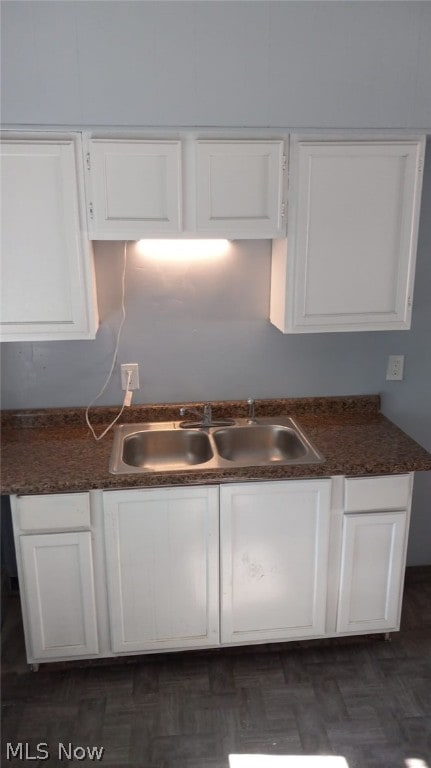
24	751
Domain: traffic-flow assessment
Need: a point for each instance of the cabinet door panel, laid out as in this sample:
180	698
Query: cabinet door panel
349	262
373	557
162	551
240	188
356	204
46	270
274	549
59	596
134	188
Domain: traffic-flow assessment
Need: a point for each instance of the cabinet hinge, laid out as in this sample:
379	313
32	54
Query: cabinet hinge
88	160
90	210
283	210
284	166
409	302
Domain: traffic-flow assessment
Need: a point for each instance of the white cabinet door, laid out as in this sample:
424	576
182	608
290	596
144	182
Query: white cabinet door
162	568
58	595
274	559
47	278
239	188
349	262
372	571
134	188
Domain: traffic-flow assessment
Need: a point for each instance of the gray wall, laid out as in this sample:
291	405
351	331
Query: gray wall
296	64
202	331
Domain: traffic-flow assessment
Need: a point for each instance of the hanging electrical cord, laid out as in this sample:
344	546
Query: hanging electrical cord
127	395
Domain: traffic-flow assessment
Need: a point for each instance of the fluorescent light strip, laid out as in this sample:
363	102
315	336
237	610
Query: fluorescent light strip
182	250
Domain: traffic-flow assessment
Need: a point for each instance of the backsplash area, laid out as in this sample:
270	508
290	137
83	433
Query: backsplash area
199	331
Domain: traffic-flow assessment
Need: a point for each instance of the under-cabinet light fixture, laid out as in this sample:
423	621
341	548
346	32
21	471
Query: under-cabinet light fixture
183	250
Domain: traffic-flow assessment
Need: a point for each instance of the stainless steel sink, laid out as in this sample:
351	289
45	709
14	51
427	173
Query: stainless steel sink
166	447
260	444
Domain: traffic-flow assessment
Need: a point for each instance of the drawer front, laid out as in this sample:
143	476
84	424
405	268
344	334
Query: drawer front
57	512
373	493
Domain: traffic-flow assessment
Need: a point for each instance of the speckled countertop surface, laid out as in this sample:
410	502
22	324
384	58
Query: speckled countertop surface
53	451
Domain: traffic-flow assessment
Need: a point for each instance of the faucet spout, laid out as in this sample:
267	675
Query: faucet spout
205	417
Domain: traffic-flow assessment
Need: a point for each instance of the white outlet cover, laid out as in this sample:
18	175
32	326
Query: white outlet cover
395	369
134	381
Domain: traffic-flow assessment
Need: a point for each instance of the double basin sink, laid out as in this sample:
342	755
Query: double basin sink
169	447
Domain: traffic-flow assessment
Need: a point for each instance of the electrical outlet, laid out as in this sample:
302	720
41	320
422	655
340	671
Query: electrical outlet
395	368
134	370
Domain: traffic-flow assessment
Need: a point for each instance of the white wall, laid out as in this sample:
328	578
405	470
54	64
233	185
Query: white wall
205	334
296	64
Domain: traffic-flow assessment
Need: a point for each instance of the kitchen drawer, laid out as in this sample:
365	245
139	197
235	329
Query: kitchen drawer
373	493
54	512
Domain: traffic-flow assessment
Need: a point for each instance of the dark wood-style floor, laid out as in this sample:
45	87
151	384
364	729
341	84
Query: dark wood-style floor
364	699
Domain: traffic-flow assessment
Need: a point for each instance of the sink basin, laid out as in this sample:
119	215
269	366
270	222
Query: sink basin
169	447
259	444
166	449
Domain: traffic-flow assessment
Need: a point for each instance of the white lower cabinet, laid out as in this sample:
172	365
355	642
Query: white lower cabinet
58	572
373	553
54	547
274	560
162	568
147	570
372	571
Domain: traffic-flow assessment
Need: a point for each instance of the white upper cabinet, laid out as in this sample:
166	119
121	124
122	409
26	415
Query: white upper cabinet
134	188
47	271
348	262
239	188
148	188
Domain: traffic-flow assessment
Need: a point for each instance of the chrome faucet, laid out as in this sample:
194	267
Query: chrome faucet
205	417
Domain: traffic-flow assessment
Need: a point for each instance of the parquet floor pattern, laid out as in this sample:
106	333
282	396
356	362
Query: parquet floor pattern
364	699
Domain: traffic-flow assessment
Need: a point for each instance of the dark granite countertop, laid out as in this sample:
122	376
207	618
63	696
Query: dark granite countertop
53	451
